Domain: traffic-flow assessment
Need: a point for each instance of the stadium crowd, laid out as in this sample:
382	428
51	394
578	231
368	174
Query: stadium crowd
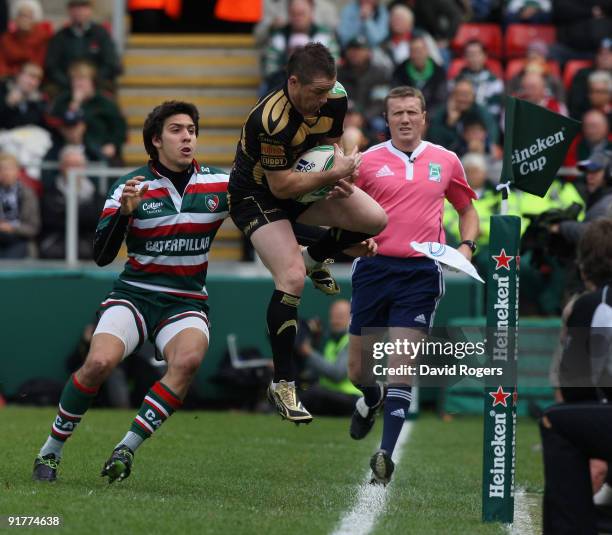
58	89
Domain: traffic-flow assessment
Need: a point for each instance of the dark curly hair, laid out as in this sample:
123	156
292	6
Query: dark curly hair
595	252
154	124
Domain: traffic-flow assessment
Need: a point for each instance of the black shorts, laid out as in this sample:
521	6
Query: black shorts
253	209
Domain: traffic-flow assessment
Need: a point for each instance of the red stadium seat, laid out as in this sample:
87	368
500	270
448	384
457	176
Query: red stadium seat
488	34
516	65
571	68
518	37
457	64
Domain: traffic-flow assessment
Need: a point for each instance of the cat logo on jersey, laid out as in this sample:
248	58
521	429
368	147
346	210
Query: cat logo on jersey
212	202
435	172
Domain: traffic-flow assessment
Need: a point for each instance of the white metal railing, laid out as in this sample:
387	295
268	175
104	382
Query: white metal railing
118	25
104	173
72	203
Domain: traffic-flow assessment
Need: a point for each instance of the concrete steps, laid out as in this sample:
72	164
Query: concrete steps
213	41
217	73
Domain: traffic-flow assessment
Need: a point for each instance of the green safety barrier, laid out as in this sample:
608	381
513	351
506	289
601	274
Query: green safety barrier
43	313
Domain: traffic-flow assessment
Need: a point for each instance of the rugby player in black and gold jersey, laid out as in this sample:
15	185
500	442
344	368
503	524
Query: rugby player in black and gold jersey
306	112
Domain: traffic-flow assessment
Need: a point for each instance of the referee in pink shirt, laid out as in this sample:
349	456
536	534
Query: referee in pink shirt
399	288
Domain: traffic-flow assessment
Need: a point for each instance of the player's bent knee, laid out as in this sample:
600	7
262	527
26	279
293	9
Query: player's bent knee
292	280
97	367
187	363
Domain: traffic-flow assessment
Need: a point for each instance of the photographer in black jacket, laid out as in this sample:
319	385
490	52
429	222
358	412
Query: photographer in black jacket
577	434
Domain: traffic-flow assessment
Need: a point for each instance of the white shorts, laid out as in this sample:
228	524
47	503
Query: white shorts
120	321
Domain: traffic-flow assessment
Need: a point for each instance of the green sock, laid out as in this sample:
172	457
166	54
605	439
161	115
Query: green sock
74	402
159	403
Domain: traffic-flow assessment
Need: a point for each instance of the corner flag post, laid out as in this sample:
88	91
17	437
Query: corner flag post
535	146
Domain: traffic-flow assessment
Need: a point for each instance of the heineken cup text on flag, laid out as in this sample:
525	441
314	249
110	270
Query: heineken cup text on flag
535	145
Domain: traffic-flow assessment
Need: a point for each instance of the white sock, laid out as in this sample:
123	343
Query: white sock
131	440
290	383
362	408
603	495
52	446
309	261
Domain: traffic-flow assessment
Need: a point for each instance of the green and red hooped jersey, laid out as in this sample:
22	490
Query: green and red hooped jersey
169	237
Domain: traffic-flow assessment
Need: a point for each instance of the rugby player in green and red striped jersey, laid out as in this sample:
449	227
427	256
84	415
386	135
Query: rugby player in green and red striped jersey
168	212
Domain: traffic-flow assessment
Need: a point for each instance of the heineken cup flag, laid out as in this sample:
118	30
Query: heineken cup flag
535	145
500	401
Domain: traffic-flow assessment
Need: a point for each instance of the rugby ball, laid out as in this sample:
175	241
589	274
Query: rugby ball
315	160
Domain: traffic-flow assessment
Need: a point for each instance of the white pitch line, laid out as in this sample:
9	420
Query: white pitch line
371	499
523	523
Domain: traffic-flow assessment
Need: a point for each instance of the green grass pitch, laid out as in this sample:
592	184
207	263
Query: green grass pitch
207	472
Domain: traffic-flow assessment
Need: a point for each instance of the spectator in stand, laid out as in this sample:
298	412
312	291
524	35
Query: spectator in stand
581	25
275	17
447	124
26	42
81	40
595	137
533	89
440	18
300	31
154	16
355	133
19	212
21	102
578	98
83	115
482	10
600	93
401	27
52	240
528	12
475	140
486	205
598	200
332	394
422	72
368	18
536	61
488	88
366	84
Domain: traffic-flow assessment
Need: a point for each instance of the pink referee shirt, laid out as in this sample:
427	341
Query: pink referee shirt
412	191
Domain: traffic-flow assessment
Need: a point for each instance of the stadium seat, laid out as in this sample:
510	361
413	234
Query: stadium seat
571	68
516	65
457	64
488	34
518	37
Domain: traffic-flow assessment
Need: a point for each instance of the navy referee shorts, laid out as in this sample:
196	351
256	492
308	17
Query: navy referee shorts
395	292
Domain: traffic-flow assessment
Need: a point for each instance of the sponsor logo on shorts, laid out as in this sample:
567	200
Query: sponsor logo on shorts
420	319
250	226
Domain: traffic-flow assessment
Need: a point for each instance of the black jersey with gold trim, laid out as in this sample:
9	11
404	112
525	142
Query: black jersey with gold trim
275	134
